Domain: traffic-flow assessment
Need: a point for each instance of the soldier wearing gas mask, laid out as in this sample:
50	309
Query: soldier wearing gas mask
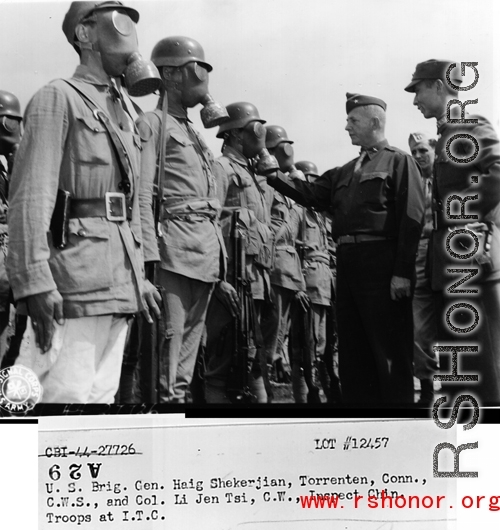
287	281
310	359
75	259
191	249
10	136
236	367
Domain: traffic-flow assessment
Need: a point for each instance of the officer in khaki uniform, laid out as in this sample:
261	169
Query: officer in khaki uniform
376	201
242	191
480	176
191	250
80	292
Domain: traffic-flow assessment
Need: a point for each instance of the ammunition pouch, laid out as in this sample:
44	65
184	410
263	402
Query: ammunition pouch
266	256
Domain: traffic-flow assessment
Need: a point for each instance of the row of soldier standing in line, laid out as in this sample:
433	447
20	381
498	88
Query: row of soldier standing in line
80	140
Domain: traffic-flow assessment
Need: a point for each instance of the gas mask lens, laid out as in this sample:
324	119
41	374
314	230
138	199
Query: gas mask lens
256	129
200	71
122	22
288	150
11	125
254	138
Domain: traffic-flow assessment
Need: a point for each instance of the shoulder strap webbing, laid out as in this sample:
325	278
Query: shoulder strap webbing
116	141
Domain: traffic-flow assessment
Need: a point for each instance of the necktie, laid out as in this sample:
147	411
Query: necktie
439	124
359	161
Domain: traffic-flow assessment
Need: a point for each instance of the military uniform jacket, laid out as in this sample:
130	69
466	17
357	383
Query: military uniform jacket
285	223
65	146
452	178
316	263
239	188
191	242
4	239
385	198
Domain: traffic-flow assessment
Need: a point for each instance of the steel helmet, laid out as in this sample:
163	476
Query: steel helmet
240	114
9	105
308	168
275	135
178	51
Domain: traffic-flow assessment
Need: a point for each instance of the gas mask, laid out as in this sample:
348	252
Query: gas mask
284	155
254	146
195	90
10	134
118	47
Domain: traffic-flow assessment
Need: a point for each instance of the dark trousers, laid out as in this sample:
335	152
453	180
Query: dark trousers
375	332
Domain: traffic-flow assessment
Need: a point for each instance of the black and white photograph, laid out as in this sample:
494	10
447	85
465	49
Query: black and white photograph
322	229
225	208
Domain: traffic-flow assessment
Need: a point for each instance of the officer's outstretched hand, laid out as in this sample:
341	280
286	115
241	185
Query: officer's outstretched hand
227	294
400	287
43	309
152	297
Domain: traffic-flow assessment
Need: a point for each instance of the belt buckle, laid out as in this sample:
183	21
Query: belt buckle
115	201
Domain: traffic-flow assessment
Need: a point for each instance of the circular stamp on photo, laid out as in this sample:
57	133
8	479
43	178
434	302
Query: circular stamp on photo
20	389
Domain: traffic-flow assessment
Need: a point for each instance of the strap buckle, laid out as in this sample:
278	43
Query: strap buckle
116	206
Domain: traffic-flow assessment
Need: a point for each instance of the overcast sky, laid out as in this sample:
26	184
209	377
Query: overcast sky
294	59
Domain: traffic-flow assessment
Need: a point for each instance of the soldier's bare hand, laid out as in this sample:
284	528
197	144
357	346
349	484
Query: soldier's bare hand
303	300
227	294
152	297
400	287
43	309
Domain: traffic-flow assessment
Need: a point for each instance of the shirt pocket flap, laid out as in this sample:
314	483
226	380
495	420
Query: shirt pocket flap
180	139
91	123
374	175
242	179
310	223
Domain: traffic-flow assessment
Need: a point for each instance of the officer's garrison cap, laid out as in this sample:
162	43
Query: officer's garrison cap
433	69
358	100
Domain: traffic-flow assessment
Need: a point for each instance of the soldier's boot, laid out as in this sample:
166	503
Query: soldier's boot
426	392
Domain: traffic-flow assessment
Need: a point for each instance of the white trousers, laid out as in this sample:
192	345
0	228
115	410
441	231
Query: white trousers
84	363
